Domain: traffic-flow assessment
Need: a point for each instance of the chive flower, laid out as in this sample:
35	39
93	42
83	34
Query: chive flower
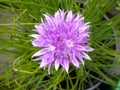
62	39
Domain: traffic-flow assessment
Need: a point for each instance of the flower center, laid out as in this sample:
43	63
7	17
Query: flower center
69	43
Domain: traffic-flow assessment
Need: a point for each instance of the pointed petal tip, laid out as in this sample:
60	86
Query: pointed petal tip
32	35
35	36
49	69
66	71
35	60
41	66
36	54
89	49
83	63
86	56
56	67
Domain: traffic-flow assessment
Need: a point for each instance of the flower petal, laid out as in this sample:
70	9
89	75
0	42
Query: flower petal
59	17
37	36
44	62
74	61
82	61
47	59
39	28
80	48
83	29
36	59
77	18
66	65
50	20
70	16
49	69
88	49
79	56
43	51
38	43
56	65
86	56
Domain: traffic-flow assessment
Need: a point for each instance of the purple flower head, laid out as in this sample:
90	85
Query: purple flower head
64	40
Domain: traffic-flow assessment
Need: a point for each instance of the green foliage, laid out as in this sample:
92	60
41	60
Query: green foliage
17	23
118	3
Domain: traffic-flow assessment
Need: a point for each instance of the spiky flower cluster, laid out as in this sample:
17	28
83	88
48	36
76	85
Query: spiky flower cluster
63	38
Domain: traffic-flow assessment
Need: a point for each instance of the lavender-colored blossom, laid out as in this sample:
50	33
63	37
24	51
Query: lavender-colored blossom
64	40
